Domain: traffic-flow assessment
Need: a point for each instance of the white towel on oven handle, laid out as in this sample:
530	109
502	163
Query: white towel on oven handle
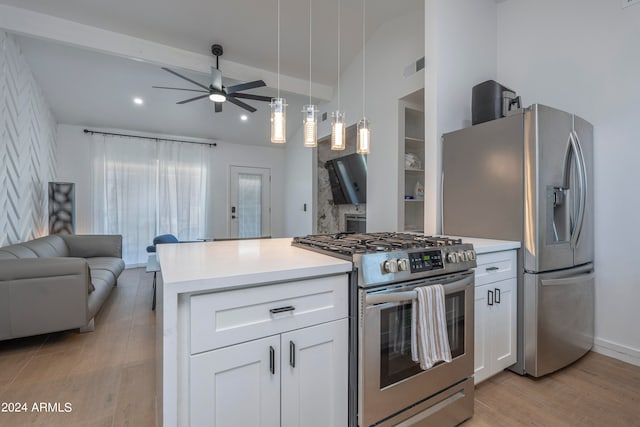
429	339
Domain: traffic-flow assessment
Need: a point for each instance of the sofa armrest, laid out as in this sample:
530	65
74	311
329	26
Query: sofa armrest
42	295
94	245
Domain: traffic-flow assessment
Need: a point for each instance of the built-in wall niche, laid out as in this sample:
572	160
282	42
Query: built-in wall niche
412	162
335	217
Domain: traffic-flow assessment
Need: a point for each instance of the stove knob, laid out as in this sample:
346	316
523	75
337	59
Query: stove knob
462	256
403	264
452	257
471	255
390	266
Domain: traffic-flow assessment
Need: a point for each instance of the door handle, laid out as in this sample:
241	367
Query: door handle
292	354
492	268
497	298
584	185
490	297
272	360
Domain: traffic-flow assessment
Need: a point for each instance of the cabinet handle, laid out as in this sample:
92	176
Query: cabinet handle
490	297
497	295
282	309
292	354
272	360
494	268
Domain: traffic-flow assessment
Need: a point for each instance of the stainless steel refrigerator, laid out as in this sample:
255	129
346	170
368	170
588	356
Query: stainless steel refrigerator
529	177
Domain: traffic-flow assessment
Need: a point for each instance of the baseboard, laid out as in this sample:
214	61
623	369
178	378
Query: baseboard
617	351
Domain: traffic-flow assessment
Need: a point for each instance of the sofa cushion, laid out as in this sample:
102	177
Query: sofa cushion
114	265
48	247
18	251
98	297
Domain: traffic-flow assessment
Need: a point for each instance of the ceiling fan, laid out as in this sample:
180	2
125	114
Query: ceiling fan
216	91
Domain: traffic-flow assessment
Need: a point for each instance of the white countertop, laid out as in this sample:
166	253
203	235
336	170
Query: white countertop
484	246
228	264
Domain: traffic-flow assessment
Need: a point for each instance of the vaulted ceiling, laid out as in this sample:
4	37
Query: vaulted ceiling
87	87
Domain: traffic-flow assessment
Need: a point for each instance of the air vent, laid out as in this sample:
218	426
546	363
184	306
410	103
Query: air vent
413	68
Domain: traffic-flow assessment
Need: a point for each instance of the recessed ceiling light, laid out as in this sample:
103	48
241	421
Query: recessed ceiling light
138	101
244	118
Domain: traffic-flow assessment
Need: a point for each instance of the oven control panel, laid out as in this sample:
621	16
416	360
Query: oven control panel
425	261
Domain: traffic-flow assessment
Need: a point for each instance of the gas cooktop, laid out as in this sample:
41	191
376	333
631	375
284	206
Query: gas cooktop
361	243
390	257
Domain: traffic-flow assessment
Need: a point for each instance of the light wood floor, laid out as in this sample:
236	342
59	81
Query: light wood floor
108	377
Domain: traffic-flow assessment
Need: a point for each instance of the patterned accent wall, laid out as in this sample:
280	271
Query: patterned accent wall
27	148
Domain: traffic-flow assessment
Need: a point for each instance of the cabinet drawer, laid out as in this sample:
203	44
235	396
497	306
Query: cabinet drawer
495	266
225	318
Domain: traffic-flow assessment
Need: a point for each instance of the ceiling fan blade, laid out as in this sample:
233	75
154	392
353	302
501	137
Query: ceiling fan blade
179	88
250	96
245	86
186	78
193	99
217	107
216	79
241	104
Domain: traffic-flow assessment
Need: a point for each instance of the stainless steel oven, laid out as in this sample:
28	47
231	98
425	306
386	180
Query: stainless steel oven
386	388
392	387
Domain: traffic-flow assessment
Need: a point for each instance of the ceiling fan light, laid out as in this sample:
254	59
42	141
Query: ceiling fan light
278	120
310	125
217	97
338	131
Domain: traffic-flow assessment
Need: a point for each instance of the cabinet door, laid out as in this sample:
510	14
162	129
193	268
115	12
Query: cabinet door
482	346
503	324
315	376
237	385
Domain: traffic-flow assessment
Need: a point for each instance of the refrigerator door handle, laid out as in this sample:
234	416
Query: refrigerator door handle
584	187
573	155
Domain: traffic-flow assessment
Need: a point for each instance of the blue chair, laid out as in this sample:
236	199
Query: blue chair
163	238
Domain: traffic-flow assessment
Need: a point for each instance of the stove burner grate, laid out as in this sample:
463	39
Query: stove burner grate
359	243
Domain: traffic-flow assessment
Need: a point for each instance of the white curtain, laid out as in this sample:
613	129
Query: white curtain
142	188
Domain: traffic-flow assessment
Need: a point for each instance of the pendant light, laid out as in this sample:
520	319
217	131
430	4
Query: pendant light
363	144
278	105
338	128
310	111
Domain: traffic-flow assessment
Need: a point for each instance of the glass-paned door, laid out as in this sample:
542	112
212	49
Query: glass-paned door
250	202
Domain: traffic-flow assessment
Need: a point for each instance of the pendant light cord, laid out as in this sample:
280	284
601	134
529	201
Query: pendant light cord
278	48
364	57
339	20
310	52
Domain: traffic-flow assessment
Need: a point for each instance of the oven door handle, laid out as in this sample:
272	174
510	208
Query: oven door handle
399	296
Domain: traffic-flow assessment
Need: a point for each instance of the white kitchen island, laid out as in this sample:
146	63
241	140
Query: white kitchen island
251	332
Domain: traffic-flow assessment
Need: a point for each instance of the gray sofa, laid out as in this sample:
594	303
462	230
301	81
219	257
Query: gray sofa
56	283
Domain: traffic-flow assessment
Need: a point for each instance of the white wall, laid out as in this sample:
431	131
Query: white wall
583	56
394	45
27	148
460	52
299	185
74	165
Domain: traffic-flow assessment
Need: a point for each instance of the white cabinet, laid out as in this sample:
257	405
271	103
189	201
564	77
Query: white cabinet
495	314
296	376
314	376
235	386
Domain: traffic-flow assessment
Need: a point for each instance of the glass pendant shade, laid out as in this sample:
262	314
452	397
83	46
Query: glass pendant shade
338	132
278	120
310	125
364	137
